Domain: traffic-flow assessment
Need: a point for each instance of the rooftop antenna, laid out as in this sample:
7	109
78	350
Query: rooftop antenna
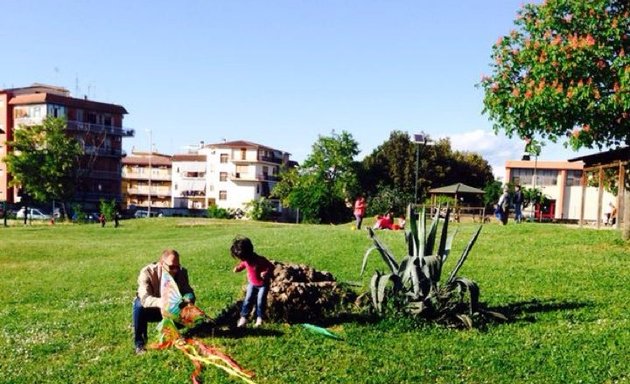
77	90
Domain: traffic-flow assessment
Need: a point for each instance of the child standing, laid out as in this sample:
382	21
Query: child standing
259	271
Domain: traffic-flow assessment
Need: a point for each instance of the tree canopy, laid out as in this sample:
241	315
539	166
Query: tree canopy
320	187
390	170
564	74
44	160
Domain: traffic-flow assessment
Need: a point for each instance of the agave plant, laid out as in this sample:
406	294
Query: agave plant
414	284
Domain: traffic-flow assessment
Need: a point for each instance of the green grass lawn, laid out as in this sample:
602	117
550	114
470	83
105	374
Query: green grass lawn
66	293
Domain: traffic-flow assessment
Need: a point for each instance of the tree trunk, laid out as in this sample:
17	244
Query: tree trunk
625	229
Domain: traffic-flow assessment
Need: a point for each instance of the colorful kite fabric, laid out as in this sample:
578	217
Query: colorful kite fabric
195	350
321	331
171	298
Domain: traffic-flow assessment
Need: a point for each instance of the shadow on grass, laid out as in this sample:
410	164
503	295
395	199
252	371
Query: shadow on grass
230	332
525	310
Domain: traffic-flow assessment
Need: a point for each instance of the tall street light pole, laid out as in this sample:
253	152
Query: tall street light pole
150	169
418	139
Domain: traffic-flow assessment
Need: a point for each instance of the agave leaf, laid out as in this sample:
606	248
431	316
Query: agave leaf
444	235
430	243
497	315
412	235
385	253
404	269
432	268
383	281
416	278
416	307
422	231
374	290
466	284
465	253
449	244
365	257
465	319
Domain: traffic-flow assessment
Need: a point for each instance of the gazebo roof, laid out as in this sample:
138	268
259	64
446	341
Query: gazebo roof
602	158
456	189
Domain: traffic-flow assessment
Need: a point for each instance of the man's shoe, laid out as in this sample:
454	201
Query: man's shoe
258	322
241	322
140	350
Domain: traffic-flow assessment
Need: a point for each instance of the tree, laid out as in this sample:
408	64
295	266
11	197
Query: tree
392	166
43	161
325	181
564	74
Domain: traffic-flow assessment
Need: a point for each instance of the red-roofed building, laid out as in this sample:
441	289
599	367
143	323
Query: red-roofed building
97	126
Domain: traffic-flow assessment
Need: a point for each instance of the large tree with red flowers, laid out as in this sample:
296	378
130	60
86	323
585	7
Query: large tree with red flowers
563	74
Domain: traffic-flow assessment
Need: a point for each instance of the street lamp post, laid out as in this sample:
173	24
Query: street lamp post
150	170
419	138
533	148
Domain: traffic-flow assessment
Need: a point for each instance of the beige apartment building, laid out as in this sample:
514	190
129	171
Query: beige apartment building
146	180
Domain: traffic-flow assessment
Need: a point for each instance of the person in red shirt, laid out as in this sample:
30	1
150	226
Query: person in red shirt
259	273
359	210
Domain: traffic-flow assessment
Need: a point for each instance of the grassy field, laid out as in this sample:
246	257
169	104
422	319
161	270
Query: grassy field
66	293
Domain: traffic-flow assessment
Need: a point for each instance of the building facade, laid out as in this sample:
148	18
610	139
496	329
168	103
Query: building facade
97	126
146	180
189	184
228	174
561	183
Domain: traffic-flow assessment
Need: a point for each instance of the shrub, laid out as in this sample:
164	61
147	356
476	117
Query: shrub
413	286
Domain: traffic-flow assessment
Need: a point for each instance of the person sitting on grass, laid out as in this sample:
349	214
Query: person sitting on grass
148	302
259	273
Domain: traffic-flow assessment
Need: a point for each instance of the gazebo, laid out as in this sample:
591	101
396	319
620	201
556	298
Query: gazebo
454	189
457	190
598	162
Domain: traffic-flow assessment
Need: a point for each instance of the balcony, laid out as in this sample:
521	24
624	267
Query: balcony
145	176
155	191
247	177
99	151
271	159
102	175
100	128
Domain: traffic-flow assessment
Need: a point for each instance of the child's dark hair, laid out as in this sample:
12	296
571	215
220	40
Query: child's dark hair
242	248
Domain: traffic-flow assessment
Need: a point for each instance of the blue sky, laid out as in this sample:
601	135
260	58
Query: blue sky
279	73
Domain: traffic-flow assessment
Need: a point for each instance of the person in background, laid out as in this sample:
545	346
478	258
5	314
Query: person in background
518	203
259	273
146	306
503	205
359	210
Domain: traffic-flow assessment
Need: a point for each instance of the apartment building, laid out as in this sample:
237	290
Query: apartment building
97	126
561	182
189	184
228	174
146	180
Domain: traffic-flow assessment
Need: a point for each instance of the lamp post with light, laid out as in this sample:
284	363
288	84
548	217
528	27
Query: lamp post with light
534	148
419	139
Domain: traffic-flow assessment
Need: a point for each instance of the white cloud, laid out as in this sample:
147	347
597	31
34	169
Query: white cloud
496	149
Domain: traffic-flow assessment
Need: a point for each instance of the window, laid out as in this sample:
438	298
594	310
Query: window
243	154
223	158
223	176
242	169
573	178
222	195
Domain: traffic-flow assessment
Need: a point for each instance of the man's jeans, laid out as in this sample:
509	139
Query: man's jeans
141	317
260	293
518	215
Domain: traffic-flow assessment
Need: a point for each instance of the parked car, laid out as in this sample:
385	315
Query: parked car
33	213
144	213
